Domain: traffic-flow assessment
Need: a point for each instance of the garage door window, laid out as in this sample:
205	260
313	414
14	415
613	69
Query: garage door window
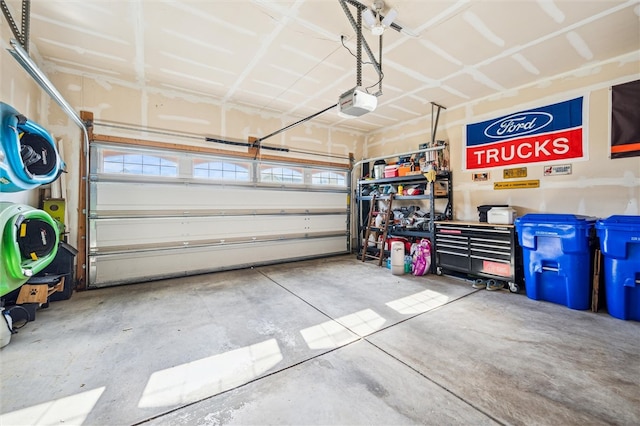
281	175
329	179
220	170
139	164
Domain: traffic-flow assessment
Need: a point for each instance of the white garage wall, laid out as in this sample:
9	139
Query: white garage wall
597	187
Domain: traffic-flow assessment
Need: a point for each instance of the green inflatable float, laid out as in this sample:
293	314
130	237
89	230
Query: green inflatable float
29	243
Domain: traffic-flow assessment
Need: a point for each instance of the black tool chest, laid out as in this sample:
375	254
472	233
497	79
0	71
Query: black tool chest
480	250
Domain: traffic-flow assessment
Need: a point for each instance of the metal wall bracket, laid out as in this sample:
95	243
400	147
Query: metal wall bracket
434	123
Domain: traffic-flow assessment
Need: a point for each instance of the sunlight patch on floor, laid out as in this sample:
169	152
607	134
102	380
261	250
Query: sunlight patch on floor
209	376
70	410
328	335
363	322
419	302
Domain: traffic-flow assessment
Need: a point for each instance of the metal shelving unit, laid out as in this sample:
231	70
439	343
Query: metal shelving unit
428	200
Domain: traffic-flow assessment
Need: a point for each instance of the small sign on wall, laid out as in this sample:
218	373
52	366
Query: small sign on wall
519	172
480	177
561	169
519	184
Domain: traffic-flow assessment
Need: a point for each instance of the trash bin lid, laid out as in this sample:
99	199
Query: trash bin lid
620	223
555	219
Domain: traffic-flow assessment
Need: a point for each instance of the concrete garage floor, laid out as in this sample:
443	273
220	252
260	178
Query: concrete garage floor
332	341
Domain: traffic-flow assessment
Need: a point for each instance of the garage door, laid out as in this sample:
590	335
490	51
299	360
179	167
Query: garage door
165	213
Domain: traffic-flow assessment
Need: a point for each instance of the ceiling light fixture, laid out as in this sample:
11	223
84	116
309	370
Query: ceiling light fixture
372	15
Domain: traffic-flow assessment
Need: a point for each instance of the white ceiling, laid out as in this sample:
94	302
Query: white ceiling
286	56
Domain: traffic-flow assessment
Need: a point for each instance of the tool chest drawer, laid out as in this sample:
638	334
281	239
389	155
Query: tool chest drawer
478	249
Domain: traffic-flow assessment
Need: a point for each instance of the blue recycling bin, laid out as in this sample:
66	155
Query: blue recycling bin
557	257
620	245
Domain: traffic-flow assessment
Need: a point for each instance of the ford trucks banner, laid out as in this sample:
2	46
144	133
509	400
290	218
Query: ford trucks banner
549	134
625	120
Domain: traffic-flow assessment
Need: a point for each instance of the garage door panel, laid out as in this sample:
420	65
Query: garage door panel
119	197
108	234
107	270
178	222
327	223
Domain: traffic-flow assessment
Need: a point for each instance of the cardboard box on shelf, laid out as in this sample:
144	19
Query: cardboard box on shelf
440	188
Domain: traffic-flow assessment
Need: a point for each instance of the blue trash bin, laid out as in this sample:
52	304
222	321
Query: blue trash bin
557	257
620	245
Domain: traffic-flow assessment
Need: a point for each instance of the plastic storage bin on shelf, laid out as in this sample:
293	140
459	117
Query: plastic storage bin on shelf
391	171
620	245
556	252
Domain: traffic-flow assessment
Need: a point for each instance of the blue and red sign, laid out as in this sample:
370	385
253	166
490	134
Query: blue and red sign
542	135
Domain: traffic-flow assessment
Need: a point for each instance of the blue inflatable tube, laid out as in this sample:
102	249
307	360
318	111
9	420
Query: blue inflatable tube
28	155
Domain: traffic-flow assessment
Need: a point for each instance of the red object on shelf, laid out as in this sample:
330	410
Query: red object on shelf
391	171
406	242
